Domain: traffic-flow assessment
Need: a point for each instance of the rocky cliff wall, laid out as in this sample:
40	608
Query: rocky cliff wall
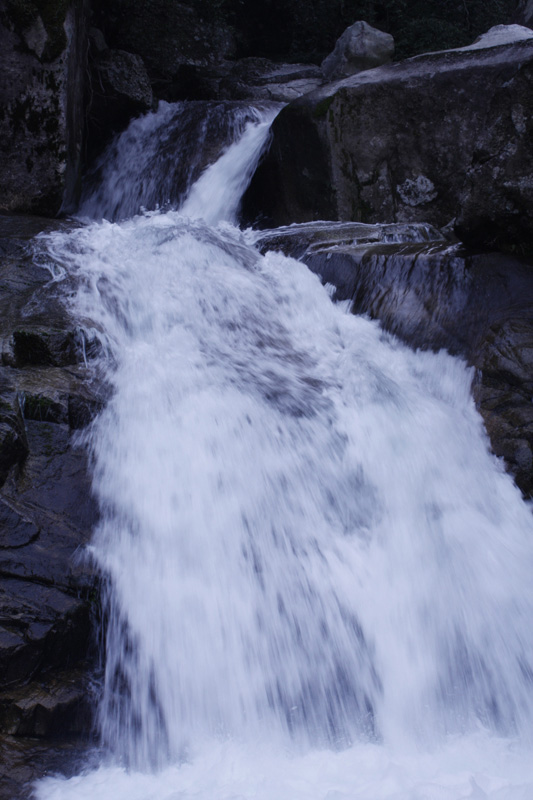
42	82
435	138
48	593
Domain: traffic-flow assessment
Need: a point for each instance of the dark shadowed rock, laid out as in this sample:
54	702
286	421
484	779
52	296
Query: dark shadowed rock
47	512
496	200
24	760
13	441
120	90
42	79
58	705
435	295
409	142
167	35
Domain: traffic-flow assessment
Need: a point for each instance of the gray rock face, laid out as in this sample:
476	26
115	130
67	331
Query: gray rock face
125	80
360	47
121	90
42	76
260	79
167	35
407	142
47	512
496	199
434	295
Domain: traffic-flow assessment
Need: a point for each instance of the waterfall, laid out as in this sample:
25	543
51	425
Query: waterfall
318	578
157	159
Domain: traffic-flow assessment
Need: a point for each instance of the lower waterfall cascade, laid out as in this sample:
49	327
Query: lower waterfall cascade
318	580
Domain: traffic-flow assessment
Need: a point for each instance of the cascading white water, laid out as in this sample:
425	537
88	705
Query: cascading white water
320	580
157	159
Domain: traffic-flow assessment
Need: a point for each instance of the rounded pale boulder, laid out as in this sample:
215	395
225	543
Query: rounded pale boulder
360	47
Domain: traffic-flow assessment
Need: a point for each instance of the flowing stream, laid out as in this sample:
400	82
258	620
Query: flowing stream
318	578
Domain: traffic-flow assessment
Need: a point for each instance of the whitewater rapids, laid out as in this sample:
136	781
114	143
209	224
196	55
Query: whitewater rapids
319	579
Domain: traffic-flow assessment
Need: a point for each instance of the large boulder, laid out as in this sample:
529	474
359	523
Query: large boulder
120	90
42	79
359	48
408	142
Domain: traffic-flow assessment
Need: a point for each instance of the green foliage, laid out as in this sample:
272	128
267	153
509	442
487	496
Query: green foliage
425	35
420	26
307	29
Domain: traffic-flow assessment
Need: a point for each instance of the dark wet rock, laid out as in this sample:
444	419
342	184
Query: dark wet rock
409	142
15	531
436	295
35	329
124	81
41	627
47	512
316	237
42	84
261	79
57	705
121	90
360	47
503	391
170	37
496	200
44	346
97	42
13	442
24	760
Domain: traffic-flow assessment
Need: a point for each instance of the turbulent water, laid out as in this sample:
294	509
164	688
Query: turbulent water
319	579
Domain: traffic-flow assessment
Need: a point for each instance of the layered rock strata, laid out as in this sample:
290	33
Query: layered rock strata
48	594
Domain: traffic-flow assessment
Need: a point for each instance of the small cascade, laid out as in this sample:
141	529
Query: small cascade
156	160
318	577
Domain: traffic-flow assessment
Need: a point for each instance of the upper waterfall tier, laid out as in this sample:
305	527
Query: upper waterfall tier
154	163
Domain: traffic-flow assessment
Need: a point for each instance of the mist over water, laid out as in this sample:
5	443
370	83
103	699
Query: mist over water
319	580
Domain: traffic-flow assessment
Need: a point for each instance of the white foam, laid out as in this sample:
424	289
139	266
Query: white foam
320	578
467	768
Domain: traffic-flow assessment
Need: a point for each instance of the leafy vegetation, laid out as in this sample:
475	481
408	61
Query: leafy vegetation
307	29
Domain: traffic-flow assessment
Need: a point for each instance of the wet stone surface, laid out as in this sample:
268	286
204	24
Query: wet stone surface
22	759
47	512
